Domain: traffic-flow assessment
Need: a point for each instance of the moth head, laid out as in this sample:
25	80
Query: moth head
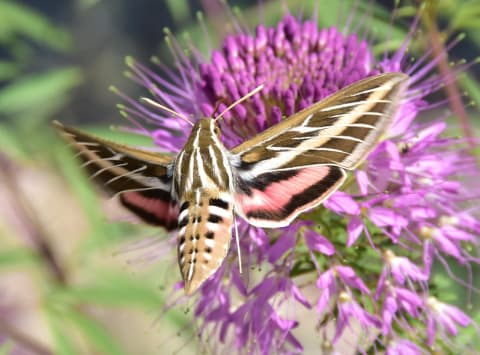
209	125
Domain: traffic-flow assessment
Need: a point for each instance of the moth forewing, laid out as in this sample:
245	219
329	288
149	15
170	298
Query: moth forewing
140	178
378	112
318	115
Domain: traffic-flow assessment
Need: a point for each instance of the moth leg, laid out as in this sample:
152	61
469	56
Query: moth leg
238	242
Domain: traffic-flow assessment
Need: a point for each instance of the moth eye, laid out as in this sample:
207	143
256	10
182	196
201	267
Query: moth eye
217	131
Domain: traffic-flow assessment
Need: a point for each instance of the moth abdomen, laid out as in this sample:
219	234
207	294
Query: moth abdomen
204	239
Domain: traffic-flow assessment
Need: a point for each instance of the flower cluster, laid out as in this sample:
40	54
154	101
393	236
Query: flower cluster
365	261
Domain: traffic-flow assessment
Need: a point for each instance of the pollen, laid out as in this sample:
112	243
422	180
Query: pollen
427	232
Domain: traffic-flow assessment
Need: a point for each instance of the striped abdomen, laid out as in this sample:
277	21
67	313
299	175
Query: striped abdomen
205	223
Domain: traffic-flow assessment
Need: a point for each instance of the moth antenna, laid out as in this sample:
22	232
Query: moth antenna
250	94
165	108
217	105
238	243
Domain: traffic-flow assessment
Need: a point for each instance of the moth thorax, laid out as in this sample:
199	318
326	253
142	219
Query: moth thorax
204	235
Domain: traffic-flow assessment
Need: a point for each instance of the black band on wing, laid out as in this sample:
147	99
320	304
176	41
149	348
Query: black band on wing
263	181
300	199
152	206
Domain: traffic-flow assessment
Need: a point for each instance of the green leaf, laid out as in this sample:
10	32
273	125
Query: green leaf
63	342
19	19
179	10
95	333
37	92
465	16
6	348
302	267
468	338
14	257
406	11
387	46
10	143
114	289
8	70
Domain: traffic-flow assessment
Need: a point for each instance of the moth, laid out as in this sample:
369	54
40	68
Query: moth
268	180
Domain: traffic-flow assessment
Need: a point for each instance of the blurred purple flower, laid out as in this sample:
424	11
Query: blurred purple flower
342	202
397	299
334	281
443	316
408	200
317	242
349	309
402	269
402	347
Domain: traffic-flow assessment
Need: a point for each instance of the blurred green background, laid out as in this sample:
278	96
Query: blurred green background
73	281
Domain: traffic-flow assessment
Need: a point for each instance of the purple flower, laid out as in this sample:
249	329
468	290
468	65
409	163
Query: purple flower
333	281
354	230
349	310
447	240
444	316
317	242
342	202
403	347
371	249
399	299
401	268
264	321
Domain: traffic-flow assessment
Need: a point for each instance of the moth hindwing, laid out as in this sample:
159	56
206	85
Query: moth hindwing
268	180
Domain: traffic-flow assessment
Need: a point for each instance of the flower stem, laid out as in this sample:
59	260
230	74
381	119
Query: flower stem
451	86
23	339
31	228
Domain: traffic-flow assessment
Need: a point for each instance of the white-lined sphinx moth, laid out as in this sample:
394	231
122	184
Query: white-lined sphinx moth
268	180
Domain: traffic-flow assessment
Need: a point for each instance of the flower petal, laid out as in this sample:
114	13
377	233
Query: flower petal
318	242
354	230
342	203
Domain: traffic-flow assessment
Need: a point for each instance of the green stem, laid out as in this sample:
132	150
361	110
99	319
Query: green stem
32	229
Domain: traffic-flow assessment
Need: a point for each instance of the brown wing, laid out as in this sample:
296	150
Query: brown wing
299	162
141	178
